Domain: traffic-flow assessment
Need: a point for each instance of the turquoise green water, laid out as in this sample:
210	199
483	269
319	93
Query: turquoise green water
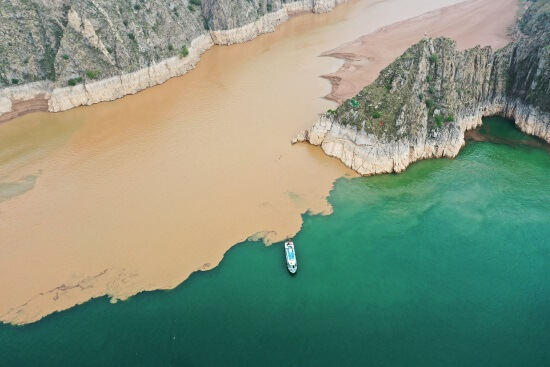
447	264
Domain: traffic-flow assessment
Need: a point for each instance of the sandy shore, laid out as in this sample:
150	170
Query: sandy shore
136	194
20	108
471	23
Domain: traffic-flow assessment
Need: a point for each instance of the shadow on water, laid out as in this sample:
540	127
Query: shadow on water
499	130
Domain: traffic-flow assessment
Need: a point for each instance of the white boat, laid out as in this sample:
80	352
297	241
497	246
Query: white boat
290	254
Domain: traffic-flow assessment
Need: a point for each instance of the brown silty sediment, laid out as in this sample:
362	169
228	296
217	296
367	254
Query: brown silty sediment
156	185
20	108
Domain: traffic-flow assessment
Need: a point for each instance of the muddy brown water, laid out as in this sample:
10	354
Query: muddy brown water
138	193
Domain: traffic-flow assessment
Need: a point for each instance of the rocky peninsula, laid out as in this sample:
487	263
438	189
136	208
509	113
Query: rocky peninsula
421	105
56	55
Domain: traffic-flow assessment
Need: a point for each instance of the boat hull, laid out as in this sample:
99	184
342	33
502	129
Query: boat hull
290	255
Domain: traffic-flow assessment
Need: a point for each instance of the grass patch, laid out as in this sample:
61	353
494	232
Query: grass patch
376	114
439	120
92	74
353	103
449	118
434	59
430	103
195	2
184	51
74	81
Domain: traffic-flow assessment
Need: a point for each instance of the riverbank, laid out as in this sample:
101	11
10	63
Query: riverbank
48	96
366	56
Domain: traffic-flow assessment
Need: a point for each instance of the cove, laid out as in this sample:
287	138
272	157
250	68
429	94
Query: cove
446	264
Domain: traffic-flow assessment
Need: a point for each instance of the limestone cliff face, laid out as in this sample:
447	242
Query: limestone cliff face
421	105
79	52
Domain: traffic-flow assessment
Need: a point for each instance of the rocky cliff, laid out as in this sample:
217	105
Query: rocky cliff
60	54
421	105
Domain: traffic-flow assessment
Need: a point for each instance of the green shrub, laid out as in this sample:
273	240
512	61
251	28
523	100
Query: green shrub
170	47
269	7
74	81
191	8
421	96
184	51
205	22
434	59
125	22
195	2
449	118
15	81
131	36
431	90
376	114
439	120
92	74
66	57
137	7
430	103
109	50
429	78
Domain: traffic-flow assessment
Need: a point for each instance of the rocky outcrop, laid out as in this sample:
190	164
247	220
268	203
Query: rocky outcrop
81	52
421	105
265	24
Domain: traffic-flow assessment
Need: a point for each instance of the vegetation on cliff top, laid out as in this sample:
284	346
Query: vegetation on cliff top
431	83
416	77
